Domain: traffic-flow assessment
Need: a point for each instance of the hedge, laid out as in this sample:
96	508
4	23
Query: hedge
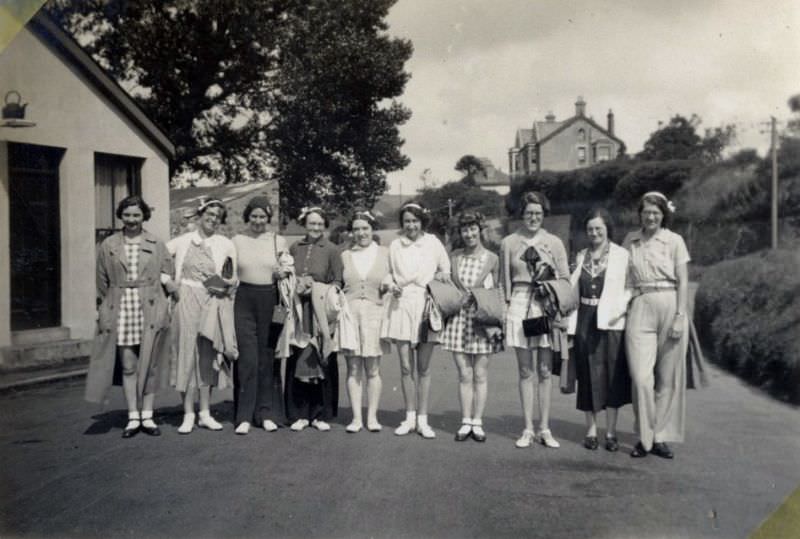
748	316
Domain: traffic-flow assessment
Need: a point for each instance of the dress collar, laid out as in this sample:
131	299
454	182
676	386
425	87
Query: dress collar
660	235
356	248
319	242
406	241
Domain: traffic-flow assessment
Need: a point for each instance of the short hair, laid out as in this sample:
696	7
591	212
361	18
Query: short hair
534	197
417	210
363	215
308	211
469	218
602	213
261	202
214	204
134	200
661	202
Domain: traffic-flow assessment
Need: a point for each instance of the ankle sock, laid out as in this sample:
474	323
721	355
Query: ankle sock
133	420
147	419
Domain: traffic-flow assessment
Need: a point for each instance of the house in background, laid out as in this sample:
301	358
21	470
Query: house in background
82	146
491	178
576	142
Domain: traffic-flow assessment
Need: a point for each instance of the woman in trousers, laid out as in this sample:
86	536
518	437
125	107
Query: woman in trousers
258	392
657	332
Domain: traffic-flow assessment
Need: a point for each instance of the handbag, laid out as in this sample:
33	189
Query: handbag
533	327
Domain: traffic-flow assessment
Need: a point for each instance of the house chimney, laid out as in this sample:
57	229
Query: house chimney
610	118
550	117
580	107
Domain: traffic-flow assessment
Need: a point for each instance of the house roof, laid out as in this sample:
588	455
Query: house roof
524	136
47	29
565	124
542	130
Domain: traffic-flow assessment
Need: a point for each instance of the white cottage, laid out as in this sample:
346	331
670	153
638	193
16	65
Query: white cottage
82	146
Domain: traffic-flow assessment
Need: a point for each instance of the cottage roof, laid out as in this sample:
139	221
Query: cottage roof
565	124
65	46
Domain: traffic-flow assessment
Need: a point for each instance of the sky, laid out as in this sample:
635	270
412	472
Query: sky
483	69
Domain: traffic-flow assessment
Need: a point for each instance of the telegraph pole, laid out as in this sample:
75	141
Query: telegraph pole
774	212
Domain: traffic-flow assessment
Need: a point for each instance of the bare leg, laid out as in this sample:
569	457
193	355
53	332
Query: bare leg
611	421
480	379
525	368
465	383
424	353
544	362
374	386
407	375
129	361
355	378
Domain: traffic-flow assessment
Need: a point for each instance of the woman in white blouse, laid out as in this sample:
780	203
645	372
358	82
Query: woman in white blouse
416	258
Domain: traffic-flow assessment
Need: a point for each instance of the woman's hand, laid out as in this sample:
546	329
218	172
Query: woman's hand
395	290
443	277
676	330
281	273
218	292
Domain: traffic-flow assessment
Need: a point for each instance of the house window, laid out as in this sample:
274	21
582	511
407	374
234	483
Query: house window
603	153
581	135
115	177
581	154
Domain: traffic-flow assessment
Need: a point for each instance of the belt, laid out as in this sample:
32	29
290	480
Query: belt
193	283
590	301
656	287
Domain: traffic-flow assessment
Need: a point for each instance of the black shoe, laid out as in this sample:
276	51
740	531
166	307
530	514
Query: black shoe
478	437
612	444
660	449
460	437
130	433
151	431
590	442
639	452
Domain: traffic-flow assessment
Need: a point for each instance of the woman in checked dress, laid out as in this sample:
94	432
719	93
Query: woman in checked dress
473	266
133	277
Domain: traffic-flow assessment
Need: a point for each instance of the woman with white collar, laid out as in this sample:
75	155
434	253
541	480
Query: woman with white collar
416	258
199	255
598	325
365	267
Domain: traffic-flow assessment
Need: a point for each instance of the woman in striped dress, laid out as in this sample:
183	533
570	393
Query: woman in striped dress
199	254
473	266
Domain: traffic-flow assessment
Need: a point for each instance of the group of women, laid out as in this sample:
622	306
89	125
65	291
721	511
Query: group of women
626	341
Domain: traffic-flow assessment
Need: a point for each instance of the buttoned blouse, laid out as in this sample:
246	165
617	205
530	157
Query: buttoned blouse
655	260
321	259
416	262
514	270
363	275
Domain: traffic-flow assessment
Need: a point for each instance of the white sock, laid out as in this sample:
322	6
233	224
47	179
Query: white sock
422	420
133	420
147	419
411	416
477	422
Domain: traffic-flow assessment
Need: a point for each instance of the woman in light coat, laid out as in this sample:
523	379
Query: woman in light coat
132	347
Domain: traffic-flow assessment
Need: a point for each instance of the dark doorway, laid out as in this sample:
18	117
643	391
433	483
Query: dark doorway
35	236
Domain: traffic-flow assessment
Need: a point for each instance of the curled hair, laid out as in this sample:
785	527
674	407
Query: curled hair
534	197
134	200
661	202
257	202
469	218
305	212
417	210
214	203
362	215
602	213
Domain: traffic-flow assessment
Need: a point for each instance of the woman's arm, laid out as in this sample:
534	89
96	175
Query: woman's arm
679	323
560	258
101	274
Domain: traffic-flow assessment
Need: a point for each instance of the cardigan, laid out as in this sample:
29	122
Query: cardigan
514	270
321	259
358	287
614	298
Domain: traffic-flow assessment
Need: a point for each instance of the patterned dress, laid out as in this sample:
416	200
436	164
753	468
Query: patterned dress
460	333
131	318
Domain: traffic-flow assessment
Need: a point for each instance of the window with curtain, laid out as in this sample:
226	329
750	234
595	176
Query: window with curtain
115	177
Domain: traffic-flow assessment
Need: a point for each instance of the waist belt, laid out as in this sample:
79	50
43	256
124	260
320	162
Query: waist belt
665	286
131	284
590	301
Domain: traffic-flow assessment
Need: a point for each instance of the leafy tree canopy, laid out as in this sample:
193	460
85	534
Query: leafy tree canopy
679	140
470	166
302	90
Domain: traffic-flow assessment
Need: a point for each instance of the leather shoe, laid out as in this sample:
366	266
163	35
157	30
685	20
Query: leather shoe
590	442
662	450
151	431
639	452
130	433
612	444
478	434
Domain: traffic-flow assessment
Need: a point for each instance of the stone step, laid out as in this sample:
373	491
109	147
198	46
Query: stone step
36	336
43	354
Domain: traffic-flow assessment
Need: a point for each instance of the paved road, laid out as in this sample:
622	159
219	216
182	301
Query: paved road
66	472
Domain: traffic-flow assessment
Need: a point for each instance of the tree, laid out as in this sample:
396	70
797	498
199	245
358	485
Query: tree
461	197
301	90
470	166
679	140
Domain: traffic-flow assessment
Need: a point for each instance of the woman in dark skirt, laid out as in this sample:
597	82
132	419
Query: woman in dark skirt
312	382
600	365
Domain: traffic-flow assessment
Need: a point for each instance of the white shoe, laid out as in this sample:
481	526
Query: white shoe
354	427
243	428
374	427
405	427
207	421
269	425
187	425
426	431
546	439
525	440
299	425
320	425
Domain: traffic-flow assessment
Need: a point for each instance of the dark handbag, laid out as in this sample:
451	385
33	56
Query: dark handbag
533	327
280	313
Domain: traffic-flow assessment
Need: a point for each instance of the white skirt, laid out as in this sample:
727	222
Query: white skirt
403	315
523	306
